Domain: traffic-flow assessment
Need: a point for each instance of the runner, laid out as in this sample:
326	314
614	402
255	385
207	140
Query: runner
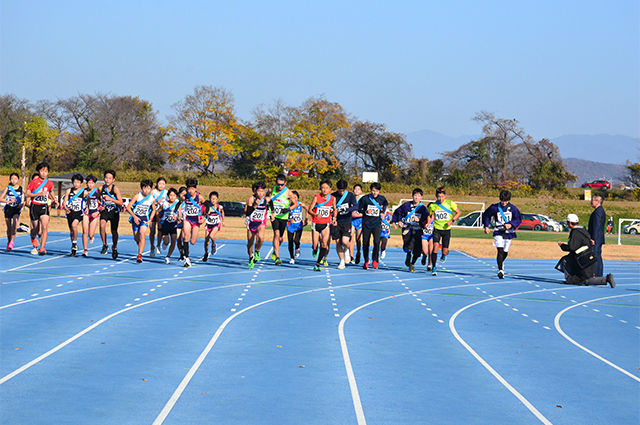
160	196
40	190
256	211
170	216
13	197
446	213
385	233
427	239
507	218
91	215
215	220
142	208
342	231
110	212
372	207
296	224
74	204
281	199
182	195
357	227
323	212
412	217
193	218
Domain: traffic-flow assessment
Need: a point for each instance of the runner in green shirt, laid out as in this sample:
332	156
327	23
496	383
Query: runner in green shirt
281	198
446	213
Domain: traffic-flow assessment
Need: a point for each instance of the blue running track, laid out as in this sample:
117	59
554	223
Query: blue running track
98	341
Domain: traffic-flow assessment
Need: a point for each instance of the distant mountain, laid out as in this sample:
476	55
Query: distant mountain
603	148
430	144
589	170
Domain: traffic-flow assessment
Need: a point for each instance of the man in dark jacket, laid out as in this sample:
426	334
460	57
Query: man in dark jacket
579	241
596	231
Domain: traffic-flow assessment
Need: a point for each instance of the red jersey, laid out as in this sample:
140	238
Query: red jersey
43	194
324	212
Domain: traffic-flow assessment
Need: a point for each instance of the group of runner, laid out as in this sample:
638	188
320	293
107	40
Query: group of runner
358	223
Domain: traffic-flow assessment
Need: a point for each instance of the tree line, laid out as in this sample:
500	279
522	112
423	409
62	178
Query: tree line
317	139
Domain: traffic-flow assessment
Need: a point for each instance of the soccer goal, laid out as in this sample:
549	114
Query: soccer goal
470	212
634	229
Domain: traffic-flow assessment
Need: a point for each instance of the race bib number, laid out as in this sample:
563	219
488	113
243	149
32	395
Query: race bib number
296	217
324	212
342	209
442	215
192	210
384	226
93	204
279	209
258	215
373	211
213	220
141	210
506	214
428	230
76	205
41	199
169	217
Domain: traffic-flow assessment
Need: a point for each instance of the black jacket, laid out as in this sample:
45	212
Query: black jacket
597	221
578	237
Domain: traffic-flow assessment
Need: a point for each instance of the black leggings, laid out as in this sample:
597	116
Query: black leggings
294	239
413	243
366	236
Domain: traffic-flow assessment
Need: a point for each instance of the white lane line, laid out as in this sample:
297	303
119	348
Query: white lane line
503	381
559	329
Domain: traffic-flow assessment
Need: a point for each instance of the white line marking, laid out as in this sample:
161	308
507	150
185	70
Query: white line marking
559	329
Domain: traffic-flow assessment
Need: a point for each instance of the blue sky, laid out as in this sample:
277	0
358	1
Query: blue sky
559	67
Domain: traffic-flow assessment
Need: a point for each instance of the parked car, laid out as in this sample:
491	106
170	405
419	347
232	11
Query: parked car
531	222
597	184
632	228
471	219
552	225
233	209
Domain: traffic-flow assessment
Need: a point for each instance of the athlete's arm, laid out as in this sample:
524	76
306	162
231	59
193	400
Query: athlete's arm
119	200
313	205
455	217
4	193
65	201
153	211
221	215
130	211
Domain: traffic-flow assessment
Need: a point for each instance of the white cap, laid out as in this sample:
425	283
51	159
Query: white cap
572	218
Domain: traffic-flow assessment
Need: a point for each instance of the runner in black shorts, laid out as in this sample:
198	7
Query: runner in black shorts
110	212
346	204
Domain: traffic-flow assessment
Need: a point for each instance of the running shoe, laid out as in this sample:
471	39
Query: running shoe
325	262
152	254
412	268
500	274
443	259
358	257
139	259
42	252
206	257
428	268
278	262
85	253
9	246
316	268
407	260
273	256
91	239
167	260
314	253
157	250
424	260
34	251
104	249
187	262
214	248
341	266
347	256
374	264
292	261
434	272
366	265
256	256
251	263
74	250
114	253
384	254
181	257
297	252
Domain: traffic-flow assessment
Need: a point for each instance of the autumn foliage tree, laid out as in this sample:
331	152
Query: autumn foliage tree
203	128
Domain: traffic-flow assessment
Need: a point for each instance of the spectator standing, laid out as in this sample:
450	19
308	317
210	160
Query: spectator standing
596	231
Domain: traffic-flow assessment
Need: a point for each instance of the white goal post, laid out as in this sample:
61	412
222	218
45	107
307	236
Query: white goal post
463	211
620	221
